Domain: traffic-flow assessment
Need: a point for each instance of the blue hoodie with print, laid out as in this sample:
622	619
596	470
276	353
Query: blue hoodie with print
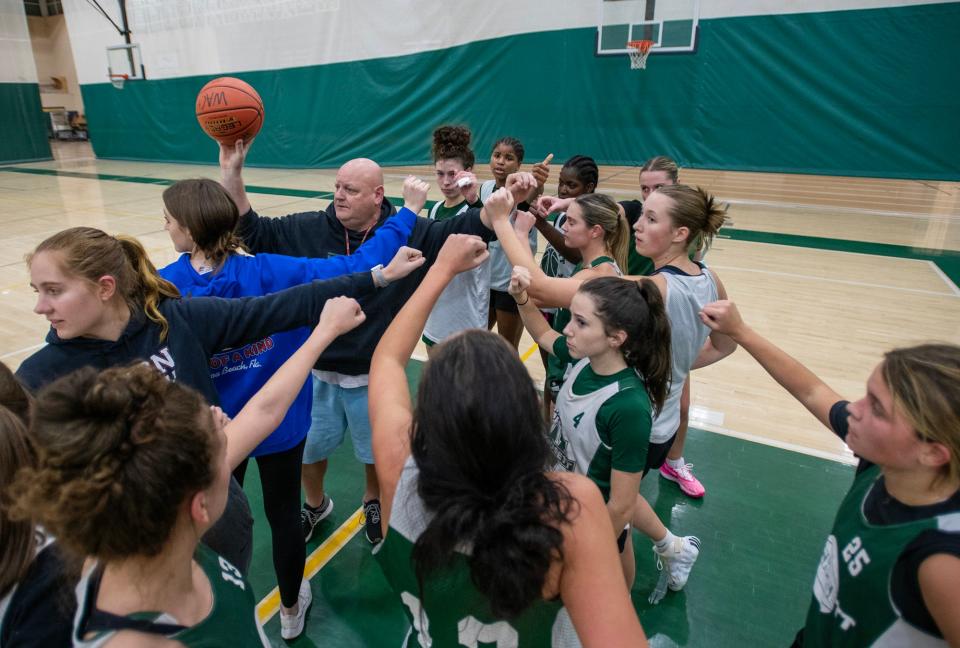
238	373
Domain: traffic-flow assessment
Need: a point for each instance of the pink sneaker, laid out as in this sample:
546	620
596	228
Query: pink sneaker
689	484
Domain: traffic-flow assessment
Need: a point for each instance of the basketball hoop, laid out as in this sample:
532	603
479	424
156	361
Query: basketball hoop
639	51
118	80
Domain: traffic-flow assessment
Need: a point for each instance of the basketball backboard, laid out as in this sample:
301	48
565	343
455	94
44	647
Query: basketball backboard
670	24
125	59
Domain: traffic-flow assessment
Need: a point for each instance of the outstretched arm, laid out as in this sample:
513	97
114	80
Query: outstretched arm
232	158
547	291
533	319
803	384
391	412
264	412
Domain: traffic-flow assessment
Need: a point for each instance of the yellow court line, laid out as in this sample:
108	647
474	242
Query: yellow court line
529	352
270	604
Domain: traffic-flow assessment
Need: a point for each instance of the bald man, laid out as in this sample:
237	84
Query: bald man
340	375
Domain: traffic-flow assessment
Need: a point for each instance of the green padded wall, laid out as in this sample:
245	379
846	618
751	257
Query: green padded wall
23	129
864	92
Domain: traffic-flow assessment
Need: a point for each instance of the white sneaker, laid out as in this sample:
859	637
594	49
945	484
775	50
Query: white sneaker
291	625
678	558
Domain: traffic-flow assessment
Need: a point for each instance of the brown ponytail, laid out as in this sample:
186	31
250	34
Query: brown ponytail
150	287
698	211
602	210
90	253
637	308
205	209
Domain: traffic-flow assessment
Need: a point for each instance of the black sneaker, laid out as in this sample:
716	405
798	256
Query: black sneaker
371	513
310	517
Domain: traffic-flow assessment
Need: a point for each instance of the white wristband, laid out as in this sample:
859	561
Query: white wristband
378	279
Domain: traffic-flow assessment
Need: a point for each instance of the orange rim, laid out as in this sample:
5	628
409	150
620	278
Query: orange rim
642	45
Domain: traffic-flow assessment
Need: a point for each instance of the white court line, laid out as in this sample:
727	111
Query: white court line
845	210
952	286
845	457
847	282
24	350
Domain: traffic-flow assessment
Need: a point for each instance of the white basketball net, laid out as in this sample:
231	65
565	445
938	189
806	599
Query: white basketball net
639	51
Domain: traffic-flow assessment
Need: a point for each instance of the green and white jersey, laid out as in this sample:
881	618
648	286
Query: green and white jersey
557	369
232	620
852	602
465	302
449	611
600	423
500	266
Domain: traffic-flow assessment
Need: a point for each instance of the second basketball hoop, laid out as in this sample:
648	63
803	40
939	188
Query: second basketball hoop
639	51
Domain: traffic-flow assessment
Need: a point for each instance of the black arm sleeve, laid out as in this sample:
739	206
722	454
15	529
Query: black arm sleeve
225	323
905	580
466	223
838	419
273	235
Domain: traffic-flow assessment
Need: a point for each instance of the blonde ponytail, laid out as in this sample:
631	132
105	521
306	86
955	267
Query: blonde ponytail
602	210
150	286
91	253
698	211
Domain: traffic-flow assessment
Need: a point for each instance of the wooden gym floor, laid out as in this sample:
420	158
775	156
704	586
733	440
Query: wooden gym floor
835	270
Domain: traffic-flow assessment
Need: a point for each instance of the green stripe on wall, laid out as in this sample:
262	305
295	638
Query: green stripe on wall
947	260
23	128
810	93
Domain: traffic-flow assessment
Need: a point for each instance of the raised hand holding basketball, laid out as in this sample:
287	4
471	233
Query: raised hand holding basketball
405	261
232	156
461	252
414	193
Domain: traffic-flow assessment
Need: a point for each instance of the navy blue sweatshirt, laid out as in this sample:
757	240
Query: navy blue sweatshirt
198	327
321	234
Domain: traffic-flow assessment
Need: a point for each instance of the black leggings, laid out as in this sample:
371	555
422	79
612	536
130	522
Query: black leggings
280	480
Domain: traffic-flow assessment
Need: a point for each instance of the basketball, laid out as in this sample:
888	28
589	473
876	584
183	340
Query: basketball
229	109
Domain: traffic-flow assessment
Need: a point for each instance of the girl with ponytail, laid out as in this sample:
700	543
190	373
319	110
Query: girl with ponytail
678	221
482	542
900	514
594	225
131	470
618	340
677	225
684	286
107	306
200	217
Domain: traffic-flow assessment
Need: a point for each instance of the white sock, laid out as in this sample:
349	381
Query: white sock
675	463
661	545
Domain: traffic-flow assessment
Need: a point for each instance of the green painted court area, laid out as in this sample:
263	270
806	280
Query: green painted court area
762	527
